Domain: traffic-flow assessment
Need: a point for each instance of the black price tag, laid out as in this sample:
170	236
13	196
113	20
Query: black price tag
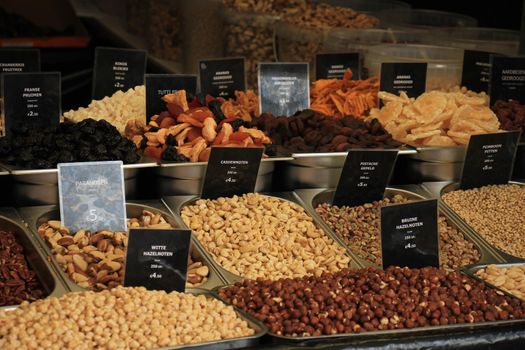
284	88
158	85
334	65
507	79
157	259
222	77
408	77
231	171
117	69
409	234
364	177
92	196
31	99
19	60
476	70
489	159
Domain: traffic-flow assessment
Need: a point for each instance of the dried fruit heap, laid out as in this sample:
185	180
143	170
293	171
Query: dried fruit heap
511	115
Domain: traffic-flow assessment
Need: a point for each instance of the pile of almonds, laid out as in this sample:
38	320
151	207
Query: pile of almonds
95	260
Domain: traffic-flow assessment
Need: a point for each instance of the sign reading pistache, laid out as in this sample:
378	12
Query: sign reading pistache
222	77
364	177
231	171
334	65
284	88
157	259
31	99
476	70
408	77
19	60
92	196
158	85
409	234
489	159
507	79
117	69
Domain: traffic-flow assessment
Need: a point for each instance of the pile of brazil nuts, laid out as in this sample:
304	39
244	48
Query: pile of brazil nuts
95	260
495	212
510	279
120	318
18	281
260	236
360	228
355	301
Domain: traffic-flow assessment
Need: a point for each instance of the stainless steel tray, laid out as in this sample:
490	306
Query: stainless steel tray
503	257
331	159
472	269
35	216
392	334
312	198
51	283
234	343
176	203
452	154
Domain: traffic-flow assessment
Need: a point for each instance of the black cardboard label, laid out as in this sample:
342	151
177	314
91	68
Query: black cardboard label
334	65
409	234
31	99
157	259
19	60
222	77
284	88
408	77
364	177
507	79
92	196
231	171
158	85
117	69
476	70
489	159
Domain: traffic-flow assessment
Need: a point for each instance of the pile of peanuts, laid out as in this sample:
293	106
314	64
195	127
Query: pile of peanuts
18	281
360	228
260	236
120	318
95	260
355	301
510	279
495	212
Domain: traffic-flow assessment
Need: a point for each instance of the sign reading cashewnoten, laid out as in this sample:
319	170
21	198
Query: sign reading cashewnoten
364	177
31	99
507	79
284	88
334	65
117	69
222	77
92	196
409	234
231	171
489	159
410	78
158	85
157	259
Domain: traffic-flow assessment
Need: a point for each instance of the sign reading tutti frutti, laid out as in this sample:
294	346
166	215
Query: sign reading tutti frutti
158	85
222	77
157	259
92	196
409	234
489	159
117	69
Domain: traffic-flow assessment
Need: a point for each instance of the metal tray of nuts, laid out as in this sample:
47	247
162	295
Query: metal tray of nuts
502	256
35	216
233	343
176	203
51	283
311	198
472	269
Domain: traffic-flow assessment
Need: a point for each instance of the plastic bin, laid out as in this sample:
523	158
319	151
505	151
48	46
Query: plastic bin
409	18
249	35
496	40
444	63
164	38
137	16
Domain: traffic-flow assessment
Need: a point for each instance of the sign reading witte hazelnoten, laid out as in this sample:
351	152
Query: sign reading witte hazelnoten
92	196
